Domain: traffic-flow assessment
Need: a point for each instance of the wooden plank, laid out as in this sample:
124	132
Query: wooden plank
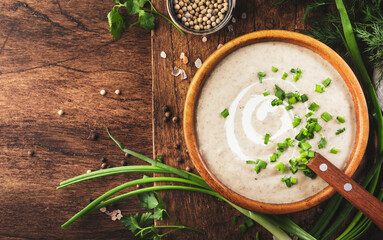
197	210
59	55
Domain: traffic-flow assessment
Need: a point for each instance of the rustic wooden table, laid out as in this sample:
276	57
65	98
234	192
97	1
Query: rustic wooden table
59	55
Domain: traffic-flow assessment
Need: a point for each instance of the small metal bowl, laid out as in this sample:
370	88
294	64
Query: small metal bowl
173	16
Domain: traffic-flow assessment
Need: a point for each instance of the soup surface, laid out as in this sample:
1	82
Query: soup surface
231	146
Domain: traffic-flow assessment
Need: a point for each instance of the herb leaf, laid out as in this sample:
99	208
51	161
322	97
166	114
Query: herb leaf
116	23
148	200
146	20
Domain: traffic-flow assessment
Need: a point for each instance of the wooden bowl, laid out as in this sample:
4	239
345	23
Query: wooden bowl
362	123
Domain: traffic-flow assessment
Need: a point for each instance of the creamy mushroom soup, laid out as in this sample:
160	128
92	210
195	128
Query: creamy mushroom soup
262	113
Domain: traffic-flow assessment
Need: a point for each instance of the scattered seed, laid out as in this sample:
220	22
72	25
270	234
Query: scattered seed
233	20
163	54
89	171
124	163
177	146
183	75
165	108
103	209
230	28
127	155
103	159
167	114
138	186
31	153
176	71
117	92
179	160
204	39
103	92
94	136
165	119
244	15
187	169
198	63
182	55
104	165
219	45
175	119
60	112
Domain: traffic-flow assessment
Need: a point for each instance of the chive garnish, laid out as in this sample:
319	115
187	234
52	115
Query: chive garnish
319	88
274	69
225	113
273	157
282	146
292	100
339	131
276	102
279	93
297	121
313	106
289	181
334	150
266	93
326	116
292	70
304	145
317	127
250	162
293	165
267	136
260	164
326	82
281	167
311	154
261	75
284	76
309	114
289	107
322	142
340	119
304	98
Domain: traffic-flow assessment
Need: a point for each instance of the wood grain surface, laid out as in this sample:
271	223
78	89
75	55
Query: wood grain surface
58	54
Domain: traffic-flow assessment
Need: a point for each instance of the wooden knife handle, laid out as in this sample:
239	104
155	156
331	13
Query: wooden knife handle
348	188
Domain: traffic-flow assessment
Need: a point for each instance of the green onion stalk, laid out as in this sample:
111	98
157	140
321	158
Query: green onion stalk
360	223
274	224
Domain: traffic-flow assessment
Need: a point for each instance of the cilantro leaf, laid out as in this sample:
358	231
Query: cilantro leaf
116	23
148	200
132	6
146	20
160	208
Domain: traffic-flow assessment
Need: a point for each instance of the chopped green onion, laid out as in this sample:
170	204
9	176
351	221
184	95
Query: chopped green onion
267	136
260	164
305	145
293	165
281	167
273	157
279	93
249	222
326	82
242	228
309	114
326	116
319	88
297	121
276	102
225	113
334	150
284	76
339	131
311	154
309	173
293	180
160	158
235	220
282	146
304	98
322	142
292	100
340	119
267	93
250	162
292	70
313	106
261	75
289	142
317	127
274	69
289	181
289	107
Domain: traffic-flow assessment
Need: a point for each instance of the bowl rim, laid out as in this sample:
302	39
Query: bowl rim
362	122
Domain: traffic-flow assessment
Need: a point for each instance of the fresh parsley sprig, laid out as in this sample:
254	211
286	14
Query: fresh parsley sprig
117	23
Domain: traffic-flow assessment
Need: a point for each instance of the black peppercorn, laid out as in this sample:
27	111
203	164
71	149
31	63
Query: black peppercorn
165	108
103	159
94	136
31	153
179	160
